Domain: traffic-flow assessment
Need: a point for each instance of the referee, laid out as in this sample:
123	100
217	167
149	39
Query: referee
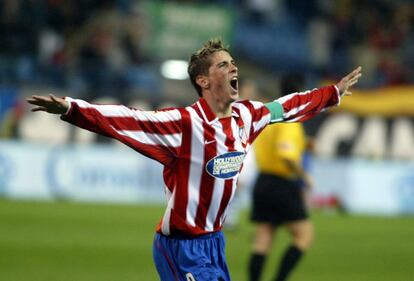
278	194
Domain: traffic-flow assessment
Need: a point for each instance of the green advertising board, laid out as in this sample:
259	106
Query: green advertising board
176	30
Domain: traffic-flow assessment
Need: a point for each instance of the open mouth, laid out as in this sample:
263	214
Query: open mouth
234	83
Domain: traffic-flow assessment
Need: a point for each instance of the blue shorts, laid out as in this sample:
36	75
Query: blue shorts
191	259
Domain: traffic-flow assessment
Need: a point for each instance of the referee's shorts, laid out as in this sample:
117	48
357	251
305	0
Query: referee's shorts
277	200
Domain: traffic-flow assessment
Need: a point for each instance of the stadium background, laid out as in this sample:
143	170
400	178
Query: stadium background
80	207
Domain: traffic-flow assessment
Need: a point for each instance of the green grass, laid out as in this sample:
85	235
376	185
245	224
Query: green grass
76	242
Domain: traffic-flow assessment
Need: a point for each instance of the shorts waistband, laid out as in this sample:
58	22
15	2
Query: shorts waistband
182	236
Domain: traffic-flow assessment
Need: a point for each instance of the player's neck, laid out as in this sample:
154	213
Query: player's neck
221	109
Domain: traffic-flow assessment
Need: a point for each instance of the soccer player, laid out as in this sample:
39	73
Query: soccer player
278	195
202	147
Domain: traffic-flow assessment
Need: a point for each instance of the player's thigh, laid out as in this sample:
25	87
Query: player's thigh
302	232
263	239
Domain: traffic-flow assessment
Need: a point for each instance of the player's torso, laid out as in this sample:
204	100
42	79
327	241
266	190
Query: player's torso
202	180
207	168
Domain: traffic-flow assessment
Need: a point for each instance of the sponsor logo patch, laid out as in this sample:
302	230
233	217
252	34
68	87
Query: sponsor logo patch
225	166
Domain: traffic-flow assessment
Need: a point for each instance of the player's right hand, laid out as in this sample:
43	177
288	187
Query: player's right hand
50	104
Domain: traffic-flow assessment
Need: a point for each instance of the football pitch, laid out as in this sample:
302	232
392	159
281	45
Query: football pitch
96	242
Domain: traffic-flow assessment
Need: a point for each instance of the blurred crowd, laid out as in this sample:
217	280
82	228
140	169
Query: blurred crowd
338	35
91	45
84	46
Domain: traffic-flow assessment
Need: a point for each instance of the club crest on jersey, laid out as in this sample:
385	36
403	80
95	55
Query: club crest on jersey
225	166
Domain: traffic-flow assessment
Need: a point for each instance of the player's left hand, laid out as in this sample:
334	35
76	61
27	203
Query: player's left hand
348	81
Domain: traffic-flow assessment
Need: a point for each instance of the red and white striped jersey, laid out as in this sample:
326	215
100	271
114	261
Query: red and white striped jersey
201	153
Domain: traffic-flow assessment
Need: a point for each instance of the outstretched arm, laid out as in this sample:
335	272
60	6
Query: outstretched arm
303	106
154	134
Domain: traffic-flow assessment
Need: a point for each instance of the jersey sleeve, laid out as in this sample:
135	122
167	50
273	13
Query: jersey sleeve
156	134
301	106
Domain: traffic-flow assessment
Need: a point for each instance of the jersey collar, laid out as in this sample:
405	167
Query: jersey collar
207	113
